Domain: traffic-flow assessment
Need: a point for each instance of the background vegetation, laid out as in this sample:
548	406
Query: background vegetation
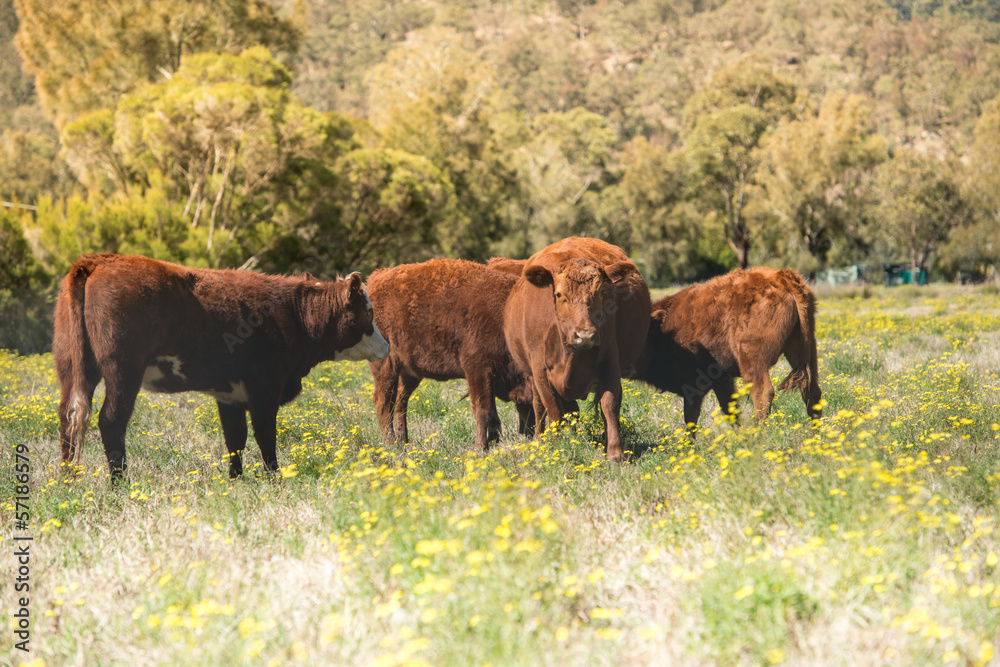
696	134
871	537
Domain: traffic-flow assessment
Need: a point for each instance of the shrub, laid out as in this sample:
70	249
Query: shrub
26	292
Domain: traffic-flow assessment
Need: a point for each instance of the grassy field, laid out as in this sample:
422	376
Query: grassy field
870	537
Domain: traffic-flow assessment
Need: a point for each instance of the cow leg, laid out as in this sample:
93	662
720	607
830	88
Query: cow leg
811	393
546	402
724	389
74	416
611	400
484	410
384	396
120	390
761	391
812	396
567	407
538	408
525	419
406	385
692	409
265	429
234	431
493	425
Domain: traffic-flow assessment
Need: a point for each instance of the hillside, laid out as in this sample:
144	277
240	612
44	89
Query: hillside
698	135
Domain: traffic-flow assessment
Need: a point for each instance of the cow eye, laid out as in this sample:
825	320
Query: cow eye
558	295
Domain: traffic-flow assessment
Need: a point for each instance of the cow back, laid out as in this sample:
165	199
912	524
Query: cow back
706	324
442	315
204	329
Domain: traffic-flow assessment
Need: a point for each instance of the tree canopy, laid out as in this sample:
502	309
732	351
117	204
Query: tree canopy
696	135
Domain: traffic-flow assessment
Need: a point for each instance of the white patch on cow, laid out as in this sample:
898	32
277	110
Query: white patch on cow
238	395
175	366
153	374
150	377
370	347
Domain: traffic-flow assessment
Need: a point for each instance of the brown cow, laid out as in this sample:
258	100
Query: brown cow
736	325
444	320
574	321
245	338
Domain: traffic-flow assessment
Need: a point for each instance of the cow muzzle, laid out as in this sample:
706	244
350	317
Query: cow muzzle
380	344
381	348
583	340
371	348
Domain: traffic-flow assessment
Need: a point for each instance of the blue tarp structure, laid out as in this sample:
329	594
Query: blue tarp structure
845	275
892	274
902	274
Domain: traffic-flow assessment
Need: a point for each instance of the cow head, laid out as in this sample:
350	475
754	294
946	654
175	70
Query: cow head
360	316
578	291
341	314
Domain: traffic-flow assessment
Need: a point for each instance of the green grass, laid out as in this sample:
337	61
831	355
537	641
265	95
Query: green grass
870	537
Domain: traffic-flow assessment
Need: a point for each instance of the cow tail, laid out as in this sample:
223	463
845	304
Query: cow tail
79	406
806	373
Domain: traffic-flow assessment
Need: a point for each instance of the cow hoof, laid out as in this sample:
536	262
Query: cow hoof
622	458
120	481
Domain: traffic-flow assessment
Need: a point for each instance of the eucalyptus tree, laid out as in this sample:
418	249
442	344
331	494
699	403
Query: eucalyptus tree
567	172
222	133
817	180
920	204
378	207
984	162
974	247
727	120
433	96
87	54
25	301
666	230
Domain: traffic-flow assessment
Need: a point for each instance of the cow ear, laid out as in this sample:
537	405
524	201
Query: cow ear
308	276
659	317
538	275
354	285
619	270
